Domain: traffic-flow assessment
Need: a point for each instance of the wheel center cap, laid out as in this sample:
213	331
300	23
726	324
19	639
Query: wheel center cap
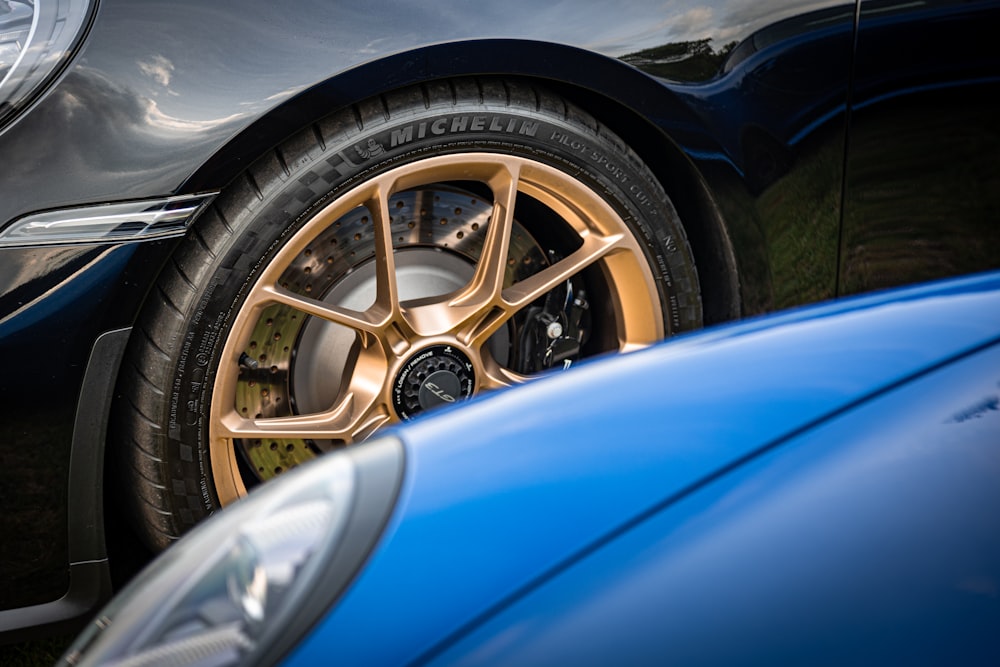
437	375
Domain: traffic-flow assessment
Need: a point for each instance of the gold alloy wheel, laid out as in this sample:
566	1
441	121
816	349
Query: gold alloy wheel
380	283
396	256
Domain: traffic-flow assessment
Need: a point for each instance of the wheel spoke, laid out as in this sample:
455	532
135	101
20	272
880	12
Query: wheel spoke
594	248
349	318
498	377
480	325
471	308
386	290
487	282
343	422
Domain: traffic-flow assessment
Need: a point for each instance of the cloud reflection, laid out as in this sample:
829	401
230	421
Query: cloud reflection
159	68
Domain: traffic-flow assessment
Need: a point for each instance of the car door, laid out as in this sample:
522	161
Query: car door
923	164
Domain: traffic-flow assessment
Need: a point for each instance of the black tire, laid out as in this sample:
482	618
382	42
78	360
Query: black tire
214	347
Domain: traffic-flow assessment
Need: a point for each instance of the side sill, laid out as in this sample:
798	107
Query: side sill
89	571
89	586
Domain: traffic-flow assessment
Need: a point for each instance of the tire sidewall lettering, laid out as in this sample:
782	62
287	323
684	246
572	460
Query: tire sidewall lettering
371	148
193	379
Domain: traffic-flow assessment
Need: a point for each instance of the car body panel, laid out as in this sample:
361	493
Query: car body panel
135	117
870	539
57	304
923	145
492	507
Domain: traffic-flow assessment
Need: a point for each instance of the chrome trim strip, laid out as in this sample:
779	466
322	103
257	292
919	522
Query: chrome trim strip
107	223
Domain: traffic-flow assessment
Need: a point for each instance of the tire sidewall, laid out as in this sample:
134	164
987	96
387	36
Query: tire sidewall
262	217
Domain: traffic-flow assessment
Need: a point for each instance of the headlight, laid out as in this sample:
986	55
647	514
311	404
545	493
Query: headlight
245	586
36	36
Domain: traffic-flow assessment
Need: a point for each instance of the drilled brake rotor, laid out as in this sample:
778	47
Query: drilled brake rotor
297	364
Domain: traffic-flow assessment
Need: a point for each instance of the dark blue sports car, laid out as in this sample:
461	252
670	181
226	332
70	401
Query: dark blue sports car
238	234
820	487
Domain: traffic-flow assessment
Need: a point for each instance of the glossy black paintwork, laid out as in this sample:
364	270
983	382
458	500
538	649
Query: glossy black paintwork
55	303
923	171
770	139
160	86
740	108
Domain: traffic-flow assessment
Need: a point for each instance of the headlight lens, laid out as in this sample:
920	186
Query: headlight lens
35	38
247	584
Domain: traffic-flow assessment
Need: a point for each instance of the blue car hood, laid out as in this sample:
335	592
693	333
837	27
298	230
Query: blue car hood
511	489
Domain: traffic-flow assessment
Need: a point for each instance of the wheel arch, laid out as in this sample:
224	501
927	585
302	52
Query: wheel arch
619	96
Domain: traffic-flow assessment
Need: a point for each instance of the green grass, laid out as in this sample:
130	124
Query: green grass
894	231
34	653
800	222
